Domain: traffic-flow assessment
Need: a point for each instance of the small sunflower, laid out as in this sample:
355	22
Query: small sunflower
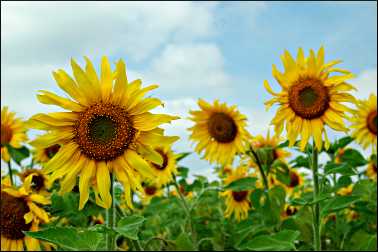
260	141
371	170
108	129
97	219
288	211
345	190
43	155
40	181
13	132
364	123
150	191
296	181
163	174
238	203
185	193
310	97
20	212
219	130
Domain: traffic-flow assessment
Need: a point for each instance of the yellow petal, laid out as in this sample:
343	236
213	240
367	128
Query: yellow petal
67	84
103	183
138	163
85	177
39	212
269	89
145	106
106	78
317	128
39	199
87	88
28	217
320	56
148	121
334	80
69	180
306	129
120	85
47	97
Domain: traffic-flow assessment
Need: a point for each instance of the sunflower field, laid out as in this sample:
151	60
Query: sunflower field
103	174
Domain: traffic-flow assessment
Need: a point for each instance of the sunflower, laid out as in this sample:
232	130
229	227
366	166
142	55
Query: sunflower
13	132
43	155
107	129
163	174
20	211
219	130
187	194
260	141
364	123
150	191
238	203
296	181
288	211
345	190
39	183
371	170
310	98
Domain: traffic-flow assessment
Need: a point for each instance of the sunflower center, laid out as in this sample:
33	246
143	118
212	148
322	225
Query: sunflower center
222	128
291	211
6	134
150	190
52	150
104	131
372	122
165	161
37	182
12	217
309	98
294	179
239	196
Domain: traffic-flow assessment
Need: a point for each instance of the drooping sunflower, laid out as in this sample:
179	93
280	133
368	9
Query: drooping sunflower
288	211
371	170
40	181
163	174
237	203
43	155
150	191
107	129
364	123
13	132
219	130
272	142
20	211
310	97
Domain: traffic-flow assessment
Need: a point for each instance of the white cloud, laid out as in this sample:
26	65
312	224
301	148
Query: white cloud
366	83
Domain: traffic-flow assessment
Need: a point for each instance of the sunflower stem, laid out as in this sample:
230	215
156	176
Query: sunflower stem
316	215
256	157
187	210
110	217
10	172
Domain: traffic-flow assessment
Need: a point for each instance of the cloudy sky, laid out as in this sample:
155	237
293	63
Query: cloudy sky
191	49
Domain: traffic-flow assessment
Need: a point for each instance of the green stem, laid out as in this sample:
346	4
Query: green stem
316	215
10	172
256	157
110	218
187	210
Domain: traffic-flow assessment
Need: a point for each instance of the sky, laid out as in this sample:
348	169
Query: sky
208	50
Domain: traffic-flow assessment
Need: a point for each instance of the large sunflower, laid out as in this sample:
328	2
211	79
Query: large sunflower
107	129
219	130
310	97
20	212
365	123
13	132
237	203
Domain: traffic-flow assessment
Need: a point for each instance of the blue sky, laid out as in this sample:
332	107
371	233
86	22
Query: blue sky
193	50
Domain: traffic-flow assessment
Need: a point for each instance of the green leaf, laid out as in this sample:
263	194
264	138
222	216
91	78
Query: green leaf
182	155
242	184
343	169
338	203
183	171
341	143
129	226
18	154
281	241
184	243
300	161
70	238
353	157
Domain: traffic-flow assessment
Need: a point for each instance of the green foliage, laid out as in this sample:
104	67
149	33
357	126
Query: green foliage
129	226
18	154
242	184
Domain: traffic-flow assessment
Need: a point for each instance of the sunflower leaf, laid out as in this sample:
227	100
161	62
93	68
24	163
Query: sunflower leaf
129	226
242	184
18	154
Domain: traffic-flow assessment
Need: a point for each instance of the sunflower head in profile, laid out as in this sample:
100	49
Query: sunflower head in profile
310	98
371	170
163	174
43	155
237	202
269	144
219	130
39	181
13	132
150	190
21	211
107	130
364	123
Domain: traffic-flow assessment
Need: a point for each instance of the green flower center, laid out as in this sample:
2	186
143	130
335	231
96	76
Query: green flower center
102	129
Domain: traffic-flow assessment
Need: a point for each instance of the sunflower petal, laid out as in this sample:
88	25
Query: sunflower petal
47	97
103	184
86	175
